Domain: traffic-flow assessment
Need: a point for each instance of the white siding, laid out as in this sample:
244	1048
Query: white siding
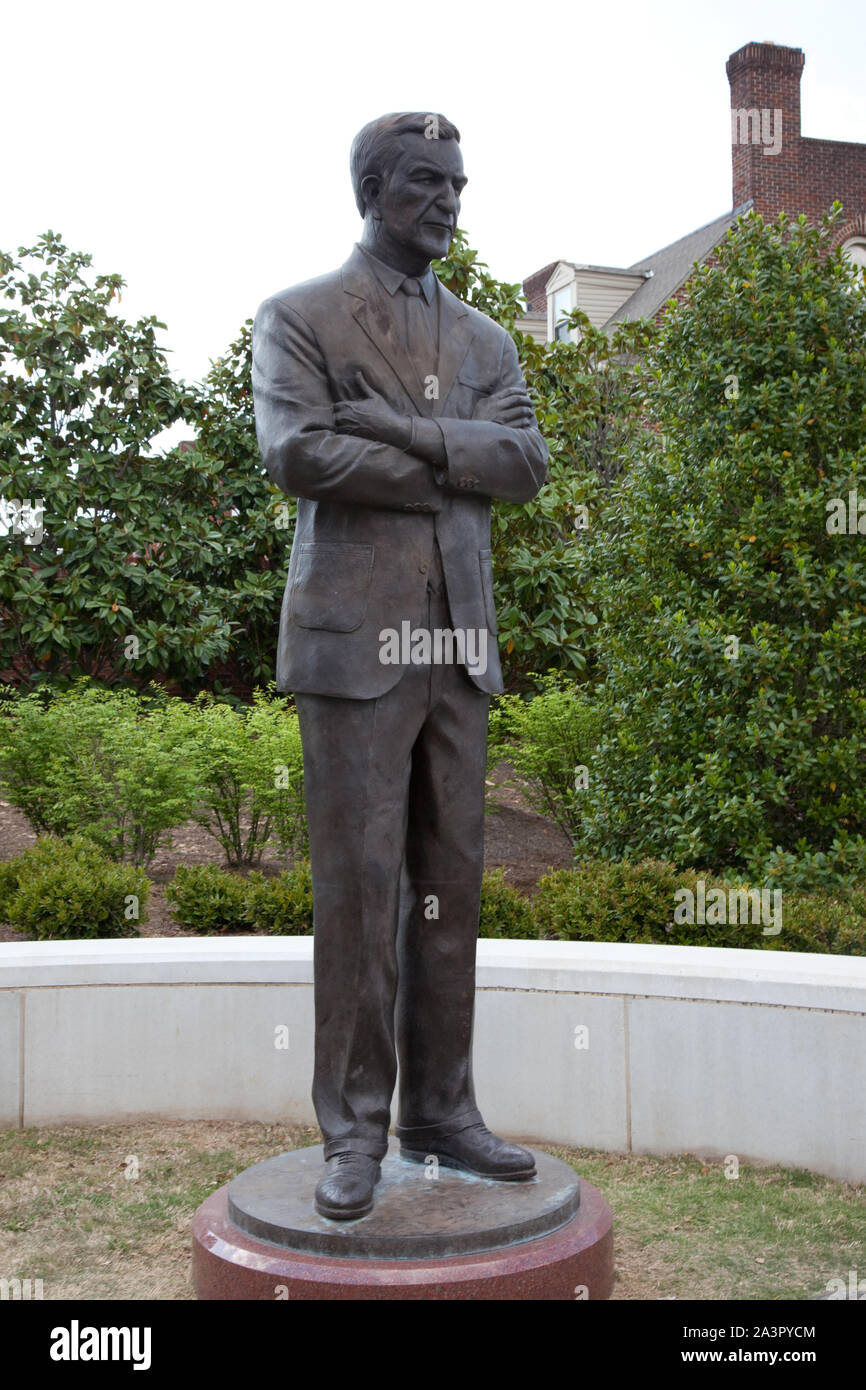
535	325
600	293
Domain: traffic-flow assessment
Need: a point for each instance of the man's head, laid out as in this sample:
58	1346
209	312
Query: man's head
407	174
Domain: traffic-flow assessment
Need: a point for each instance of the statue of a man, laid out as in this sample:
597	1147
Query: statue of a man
394	413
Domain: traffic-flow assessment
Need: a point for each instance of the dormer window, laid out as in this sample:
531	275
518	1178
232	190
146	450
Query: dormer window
563	303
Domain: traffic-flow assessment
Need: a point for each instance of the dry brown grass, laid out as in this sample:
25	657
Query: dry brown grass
71	1216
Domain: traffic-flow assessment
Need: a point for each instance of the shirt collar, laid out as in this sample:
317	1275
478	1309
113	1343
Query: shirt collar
392	279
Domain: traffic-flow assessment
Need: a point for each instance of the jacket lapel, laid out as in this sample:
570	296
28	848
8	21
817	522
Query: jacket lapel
372	311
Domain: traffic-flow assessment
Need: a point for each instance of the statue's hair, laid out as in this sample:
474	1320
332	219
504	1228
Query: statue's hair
375	149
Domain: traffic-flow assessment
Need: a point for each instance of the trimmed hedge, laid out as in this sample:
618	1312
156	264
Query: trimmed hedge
208	899
505	912
68	889
282	905
601	900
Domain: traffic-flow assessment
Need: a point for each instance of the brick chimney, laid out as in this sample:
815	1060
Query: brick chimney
765	125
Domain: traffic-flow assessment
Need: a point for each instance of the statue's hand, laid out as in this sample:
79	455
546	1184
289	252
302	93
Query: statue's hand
511	407
372	417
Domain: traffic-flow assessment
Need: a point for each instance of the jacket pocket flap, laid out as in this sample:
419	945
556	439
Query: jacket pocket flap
331	585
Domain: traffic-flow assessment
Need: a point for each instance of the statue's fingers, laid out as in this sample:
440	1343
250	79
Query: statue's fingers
514	393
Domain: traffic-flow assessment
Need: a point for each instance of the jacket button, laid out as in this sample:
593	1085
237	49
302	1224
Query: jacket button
422	569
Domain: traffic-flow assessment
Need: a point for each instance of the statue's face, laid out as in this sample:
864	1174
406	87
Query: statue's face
419	200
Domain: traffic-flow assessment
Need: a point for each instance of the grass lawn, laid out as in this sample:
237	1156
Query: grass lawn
105	1213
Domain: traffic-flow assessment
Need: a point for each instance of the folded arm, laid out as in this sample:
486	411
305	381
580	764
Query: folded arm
499	451
363	451
301	448
493	455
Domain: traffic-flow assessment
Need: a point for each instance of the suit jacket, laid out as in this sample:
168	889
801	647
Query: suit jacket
369	514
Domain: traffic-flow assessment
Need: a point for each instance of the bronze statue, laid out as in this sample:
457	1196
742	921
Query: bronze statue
394	413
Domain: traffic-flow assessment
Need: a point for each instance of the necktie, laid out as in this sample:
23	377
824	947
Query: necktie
420	342
425	357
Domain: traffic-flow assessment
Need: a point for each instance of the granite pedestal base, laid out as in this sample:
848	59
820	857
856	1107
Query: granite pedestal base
433	1233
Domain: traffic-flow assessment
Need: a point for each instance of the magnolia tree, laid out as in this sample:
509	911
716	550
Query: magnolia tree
255	520
729	576
117	558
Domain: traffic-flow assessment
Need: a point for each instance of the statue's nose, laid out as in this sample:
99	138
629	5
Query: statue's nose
449	202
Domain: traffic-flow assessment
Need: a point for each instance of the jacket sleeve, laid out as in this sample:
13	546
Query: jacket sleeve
300	448
483	457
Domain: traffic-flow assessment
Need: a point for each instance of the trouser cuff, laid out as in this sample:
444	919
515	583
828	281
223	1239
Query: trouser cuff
373	1148
416	1136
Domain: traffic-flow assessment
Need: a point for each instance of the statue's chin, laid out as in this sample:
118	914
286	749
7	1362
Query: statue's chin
435	247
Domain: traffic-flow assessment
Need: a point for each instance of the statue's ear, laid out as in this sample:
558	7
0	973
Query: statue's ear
371	189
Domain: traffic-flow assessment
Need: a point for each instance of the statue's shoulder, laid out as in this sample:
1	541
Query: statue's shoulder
308	296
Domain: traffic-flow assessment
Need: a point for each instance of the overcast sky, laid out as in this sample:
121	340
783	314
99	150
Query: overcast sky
201	149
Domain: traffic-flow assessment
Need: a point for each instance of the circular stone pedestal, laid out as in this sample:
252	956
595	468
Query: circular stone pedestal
433	1233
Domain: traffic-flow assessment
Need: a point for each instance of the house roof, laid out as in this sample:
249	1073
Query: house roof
602	269
533	287
670	267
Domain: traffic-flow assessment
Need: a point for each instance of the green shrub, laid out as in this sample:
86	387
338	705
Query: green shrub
68	889
547	740
220	754
111	765
207	899
814	871
10	873
249	768
32	749
850	937
282	905
504	911
123	768
276	773
602	900
823	922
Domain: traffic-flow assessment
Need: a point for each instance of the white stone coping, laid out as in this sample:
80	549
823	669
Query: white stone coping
786	979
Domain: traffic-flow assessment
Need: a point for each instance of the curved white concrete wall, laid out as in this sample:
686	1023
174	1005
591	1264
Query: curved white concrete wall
653	1049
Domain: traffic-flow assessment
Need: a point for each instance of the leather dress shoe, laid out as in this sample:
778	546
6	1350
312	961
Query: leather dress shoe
476	1150
346	1190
